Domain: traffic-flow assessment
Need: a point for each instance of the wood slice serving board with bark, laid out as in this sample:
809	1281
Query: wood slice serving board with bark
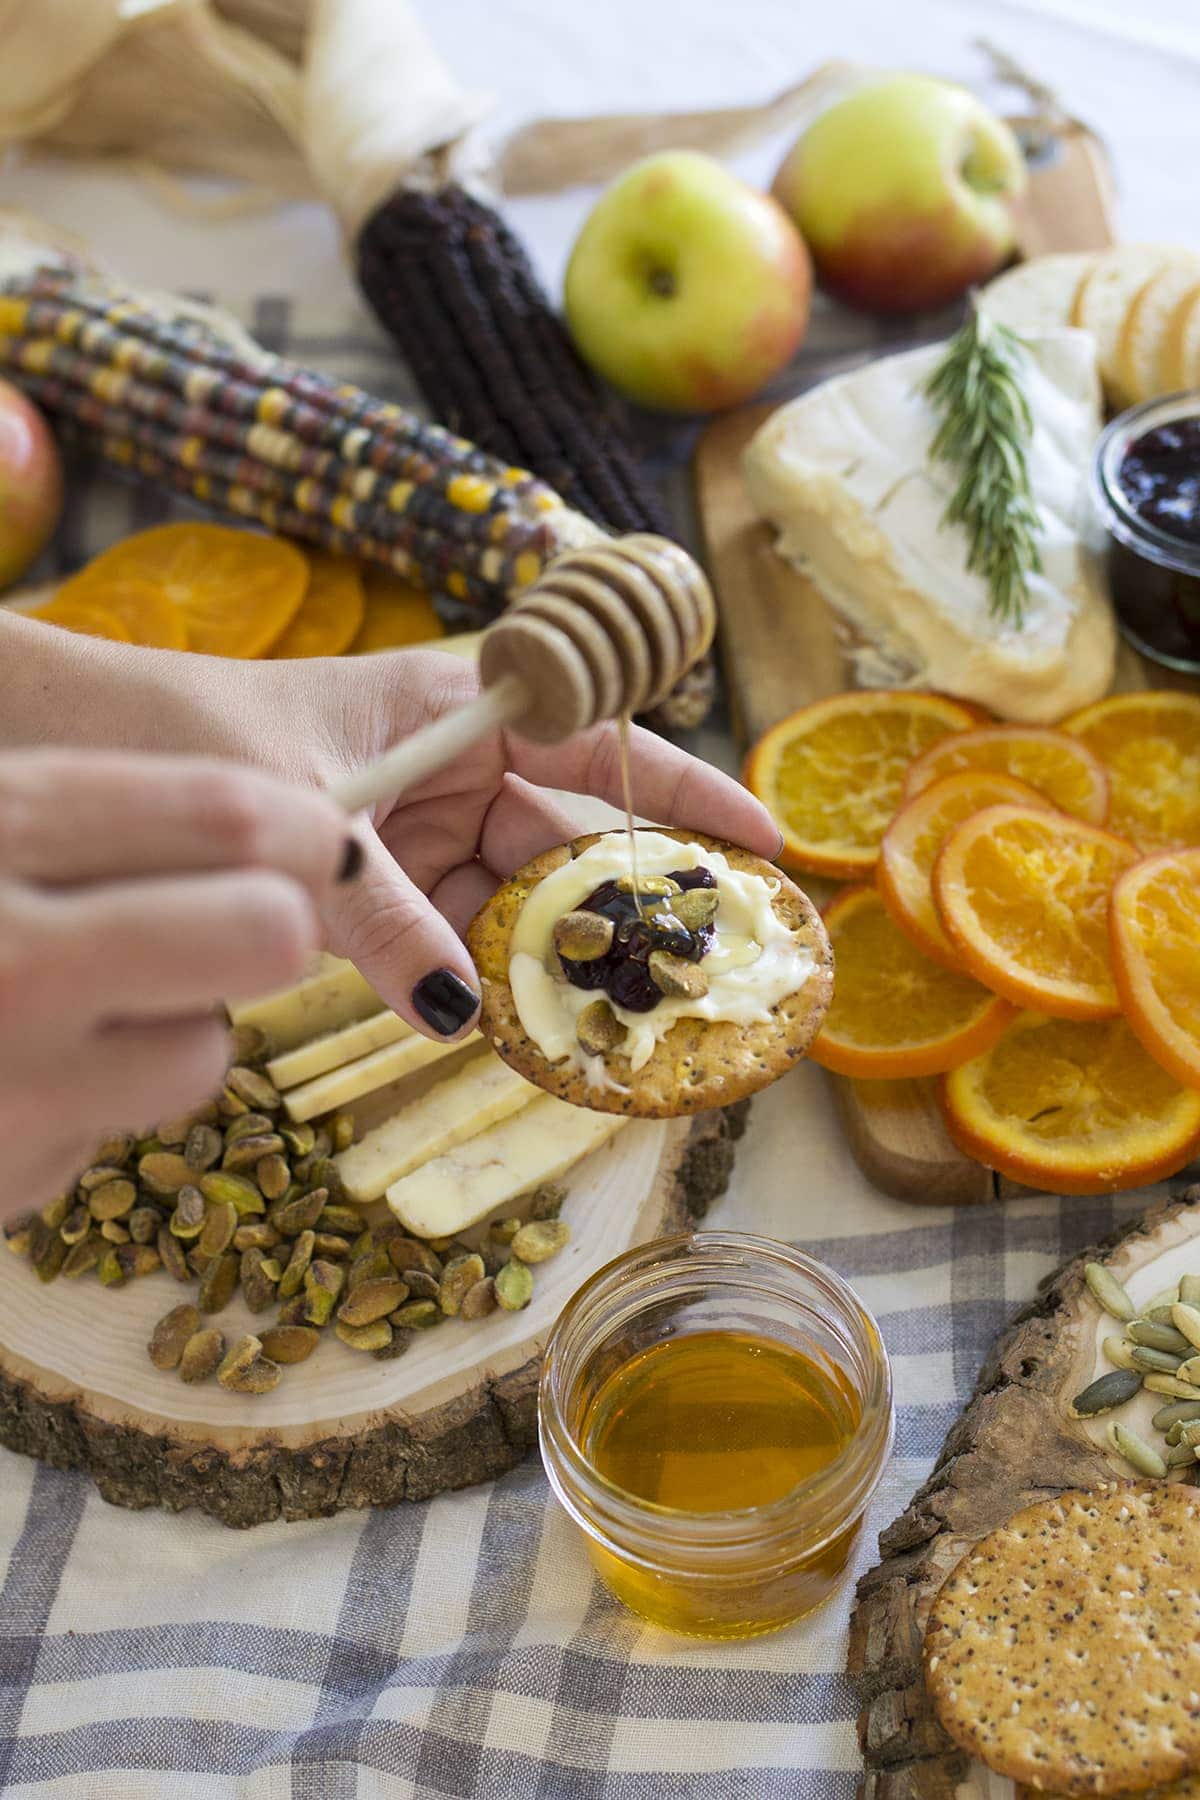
783	647
1017	1441
341	1431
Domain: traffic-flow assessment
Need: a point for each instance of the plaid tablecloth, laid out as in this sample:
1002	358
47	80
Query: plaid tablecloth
462	1648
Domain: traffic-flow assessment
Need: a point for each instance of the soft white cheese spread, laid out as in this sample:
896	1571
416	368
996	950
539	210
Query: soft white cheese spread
844	475
755	960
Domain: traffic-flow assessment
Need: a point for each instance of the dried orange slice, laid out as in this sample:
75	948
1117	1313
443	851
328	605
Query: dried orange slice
831	774
397	614
75	614
1072	1105
331	612
238	591
1056	765
895	1013
1154	925
1150	745
146	615
1023	895
904	873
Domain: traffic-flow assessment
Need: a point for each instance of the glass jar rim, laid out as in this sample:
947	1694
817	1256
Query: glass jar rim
839	1490
1113	504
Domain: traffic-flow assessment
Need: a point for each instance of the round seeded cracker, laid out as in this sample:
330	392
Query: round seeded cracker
1064	1650
699	1063
1186	1788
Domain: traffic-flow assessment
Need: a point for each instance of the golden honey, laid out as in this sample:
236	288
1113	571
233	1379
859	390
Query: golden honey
715	1412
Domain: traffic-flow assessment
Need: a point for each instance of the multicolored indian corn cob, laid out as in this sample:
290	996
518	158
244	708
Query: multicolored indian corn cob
166	395
453	286
179	397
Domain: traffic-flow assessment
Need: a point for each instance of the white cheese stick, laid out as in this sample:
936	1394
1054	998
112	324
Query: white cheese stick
331	995
340	1086
457	1108
336	1048
538	1144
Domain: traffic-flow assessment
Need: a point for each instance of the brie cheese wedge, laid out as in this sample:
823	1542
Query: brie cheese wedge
844	475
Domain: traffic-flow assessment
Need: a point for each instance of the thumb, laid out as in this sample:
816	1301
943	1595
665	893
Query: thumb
408	952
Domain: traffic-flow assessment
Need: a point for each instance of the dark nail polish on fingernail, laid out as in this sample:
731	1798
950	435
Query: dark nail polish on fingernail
444	1001
353	858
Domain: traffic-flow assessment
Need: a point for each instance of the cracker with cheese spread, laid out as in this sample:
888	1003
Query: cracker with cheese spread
702	986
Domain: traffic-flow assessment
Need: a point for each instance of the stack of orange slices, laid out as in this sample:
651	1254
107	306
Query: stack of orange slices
1025	919
228	592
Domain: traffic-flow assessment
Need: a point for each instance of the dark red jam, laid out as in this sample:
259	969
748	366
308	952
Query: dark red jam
1154	572
1160	477
623	972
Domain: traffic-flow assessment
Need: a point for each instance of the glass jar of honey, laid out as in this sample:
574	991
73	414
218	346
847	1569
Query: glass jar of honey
715	1413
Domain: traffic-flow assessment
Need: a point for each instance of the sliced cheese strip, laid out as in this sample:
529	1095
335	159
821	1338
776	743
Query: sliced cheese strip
458	1108
538	1144
351	1082
337	1047
331	995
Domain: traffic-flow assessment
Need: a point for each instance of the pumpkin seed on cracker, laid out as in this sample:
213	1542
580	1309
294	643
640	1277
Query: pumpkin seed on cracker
1108	1293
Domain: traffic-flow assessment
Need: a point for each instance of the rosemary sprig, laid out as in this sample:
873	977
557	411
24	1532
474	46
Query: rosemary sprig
985	431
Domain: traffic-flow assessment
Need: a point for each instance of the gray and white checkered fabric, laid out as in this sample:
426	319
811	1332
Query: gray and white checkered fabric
462	1647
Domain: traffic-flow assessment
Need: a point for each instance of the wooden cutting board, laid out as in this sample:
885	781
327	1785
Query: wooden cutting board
780	649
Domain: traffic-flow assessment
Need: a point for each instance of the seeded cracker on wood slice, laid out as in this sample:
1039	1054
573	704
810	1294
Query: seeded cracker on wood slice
1015	1442
724	1062
1065	1648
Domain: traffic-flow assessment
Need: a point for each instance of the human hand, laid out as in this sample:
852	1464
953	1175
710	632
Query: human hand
136	893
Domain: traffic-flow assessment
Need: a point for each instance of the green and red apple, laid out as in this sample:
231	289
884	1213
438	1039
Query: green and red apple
687	289
31	485
903	192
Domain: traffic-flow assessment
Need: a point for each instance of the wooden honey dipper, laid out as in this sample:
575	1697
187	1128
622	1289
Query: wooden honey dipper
606	630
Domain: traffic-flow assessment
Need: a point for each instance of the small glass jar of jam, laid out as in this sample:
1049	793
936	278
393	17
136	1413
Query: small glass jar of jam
715	1414
1146	490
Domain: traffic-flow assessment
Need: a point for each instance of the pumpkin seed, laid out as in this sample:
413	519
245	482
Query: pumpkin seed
1107	1391
1169	1386
1186	1320
1189	1290
323	1283
220	1223
1136	1451
292	1279
1181	1456
480	1300
1159	1315
273	1176
223	1186
171	1334
290	1343
164	1172
1189	1431
375	1336
254	1088
418	1315
113	1200
514	1286
540	1240
1190	1370
1108	1293
1158	1337
202	1354
1179	1412
371	1300
170	1251
217	1283
1163	1362
460	1274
